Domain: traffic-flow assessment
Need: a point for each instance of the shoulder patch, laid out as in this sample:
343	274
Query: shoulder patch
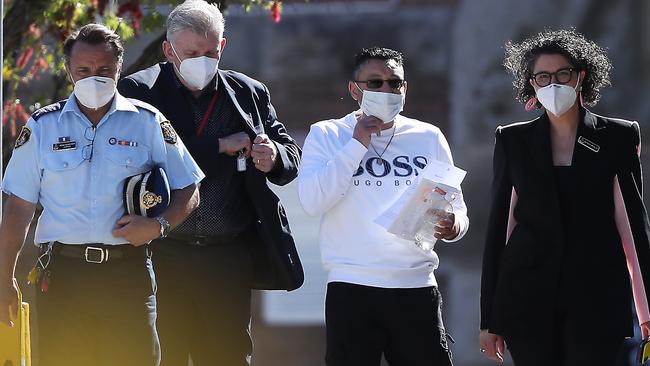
47	109
168	132
144	105
23	137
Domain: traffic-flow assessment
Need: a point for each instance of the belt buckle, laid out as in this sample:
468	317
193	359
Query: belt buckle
103	257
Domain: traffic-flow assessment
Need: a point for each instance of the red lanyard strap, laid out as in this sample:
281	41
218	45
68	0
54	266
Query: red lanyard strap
206	115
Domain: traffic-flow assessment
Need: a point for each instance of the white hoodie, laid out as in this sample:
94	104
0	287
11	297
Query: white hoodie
342	180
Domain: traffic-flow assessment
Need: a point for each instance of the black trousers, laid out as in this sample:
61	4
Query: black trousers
405	325
204	302
562	343
98	314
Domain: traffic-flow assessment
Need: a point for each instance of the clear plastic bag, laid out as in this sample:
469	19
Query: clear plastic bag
438	207
418	211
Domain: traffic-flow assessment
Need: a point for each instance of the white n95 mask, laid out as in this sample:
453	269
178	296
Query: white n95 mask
197	71
94	91
557	98
385	106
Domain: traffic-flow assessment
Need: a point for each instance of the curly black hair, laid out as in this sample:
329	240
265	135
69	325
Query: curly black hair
582	53
376	53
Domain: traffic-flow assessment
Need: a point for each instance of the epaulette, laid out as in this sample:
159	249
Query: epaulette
144	105
48	108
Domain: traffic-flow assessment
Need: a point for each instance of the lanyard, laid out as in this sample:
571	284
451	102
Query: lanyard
206	115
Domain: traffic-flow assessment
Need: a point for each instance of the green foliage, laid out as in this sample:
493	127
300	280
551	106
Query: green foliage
263	3
153	22
39	49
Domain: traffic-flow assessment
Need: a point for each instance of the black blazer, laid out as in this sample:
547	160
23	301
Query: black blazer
542	267
276	261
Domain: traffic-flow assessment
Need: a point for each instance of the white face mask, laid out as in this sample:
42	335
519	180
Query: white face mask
197	71
385	106
557	98
94	91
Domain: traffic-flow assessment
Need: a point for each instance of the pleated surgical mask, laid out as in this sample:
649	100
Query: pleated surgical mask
385	106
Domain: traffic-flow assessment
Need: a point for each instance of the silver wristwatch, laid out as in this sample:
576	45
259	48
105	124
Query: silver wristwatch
165	227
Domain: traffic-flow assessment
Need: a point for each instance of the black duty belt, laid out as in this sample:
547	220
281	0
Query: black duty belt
100	253
206	240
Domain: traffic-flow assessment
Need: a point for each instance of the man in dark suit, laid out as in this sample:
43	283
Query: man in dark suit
239	237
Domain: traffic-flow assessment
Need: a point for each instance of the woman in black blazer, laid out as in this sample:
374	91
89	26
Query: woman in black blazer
568	228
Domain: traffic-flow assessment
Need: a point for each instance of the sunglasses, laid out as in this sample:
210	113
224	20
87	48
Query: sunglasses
378	83
643	353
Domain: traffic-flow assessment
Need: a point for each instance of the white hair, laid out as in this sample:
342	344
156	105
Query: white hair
197	16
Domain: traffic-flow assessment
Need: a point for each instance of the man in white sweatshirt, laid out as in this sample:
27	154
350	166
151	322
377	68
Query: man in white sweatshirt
382	295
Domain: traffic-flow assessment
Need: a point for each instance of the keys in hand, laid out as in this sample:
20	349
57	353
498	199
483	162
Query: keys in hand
241	161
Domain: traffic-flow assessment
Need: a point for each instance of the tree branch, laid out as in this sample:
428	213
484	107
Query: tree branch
17	21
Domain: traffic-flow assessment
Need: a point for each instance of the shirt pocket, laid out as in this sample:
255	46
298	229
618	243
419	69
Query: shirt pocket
63	174
126	161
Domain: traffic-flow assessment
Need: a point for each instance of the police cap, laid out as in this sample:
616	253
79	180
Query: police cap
147	194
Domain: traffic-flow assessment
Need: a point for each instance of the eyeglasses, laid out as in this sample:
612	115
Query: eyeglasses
562	76
378	83
87	151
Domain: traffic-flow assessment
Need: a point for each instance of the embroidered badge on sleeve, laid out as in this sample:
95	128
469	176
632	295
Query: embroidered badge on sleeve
23	137
168	132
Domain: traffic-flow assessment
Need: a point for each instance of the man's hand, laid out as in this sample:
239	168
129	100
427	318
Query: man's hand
18	213
137	230
492	345
232	144
447	228
264	153
365	127
8	302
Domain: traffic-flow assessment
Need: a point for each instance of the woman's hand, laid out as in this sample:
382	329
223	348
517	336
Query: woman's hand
645	330
492	345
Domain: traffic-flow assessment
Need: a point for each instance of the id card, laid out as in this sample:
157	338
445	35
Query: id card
241	162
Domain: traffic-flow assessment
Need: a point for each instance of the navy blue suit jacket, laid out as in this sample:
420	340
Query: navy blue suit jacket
276	261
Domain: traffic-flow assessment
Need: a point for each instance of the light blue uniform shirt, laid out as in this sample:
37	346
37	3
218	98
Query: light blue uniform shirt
83	198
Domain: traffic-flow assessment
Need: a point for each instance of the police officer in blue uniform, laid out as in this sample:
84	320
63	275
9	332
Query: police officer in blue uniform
96	304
